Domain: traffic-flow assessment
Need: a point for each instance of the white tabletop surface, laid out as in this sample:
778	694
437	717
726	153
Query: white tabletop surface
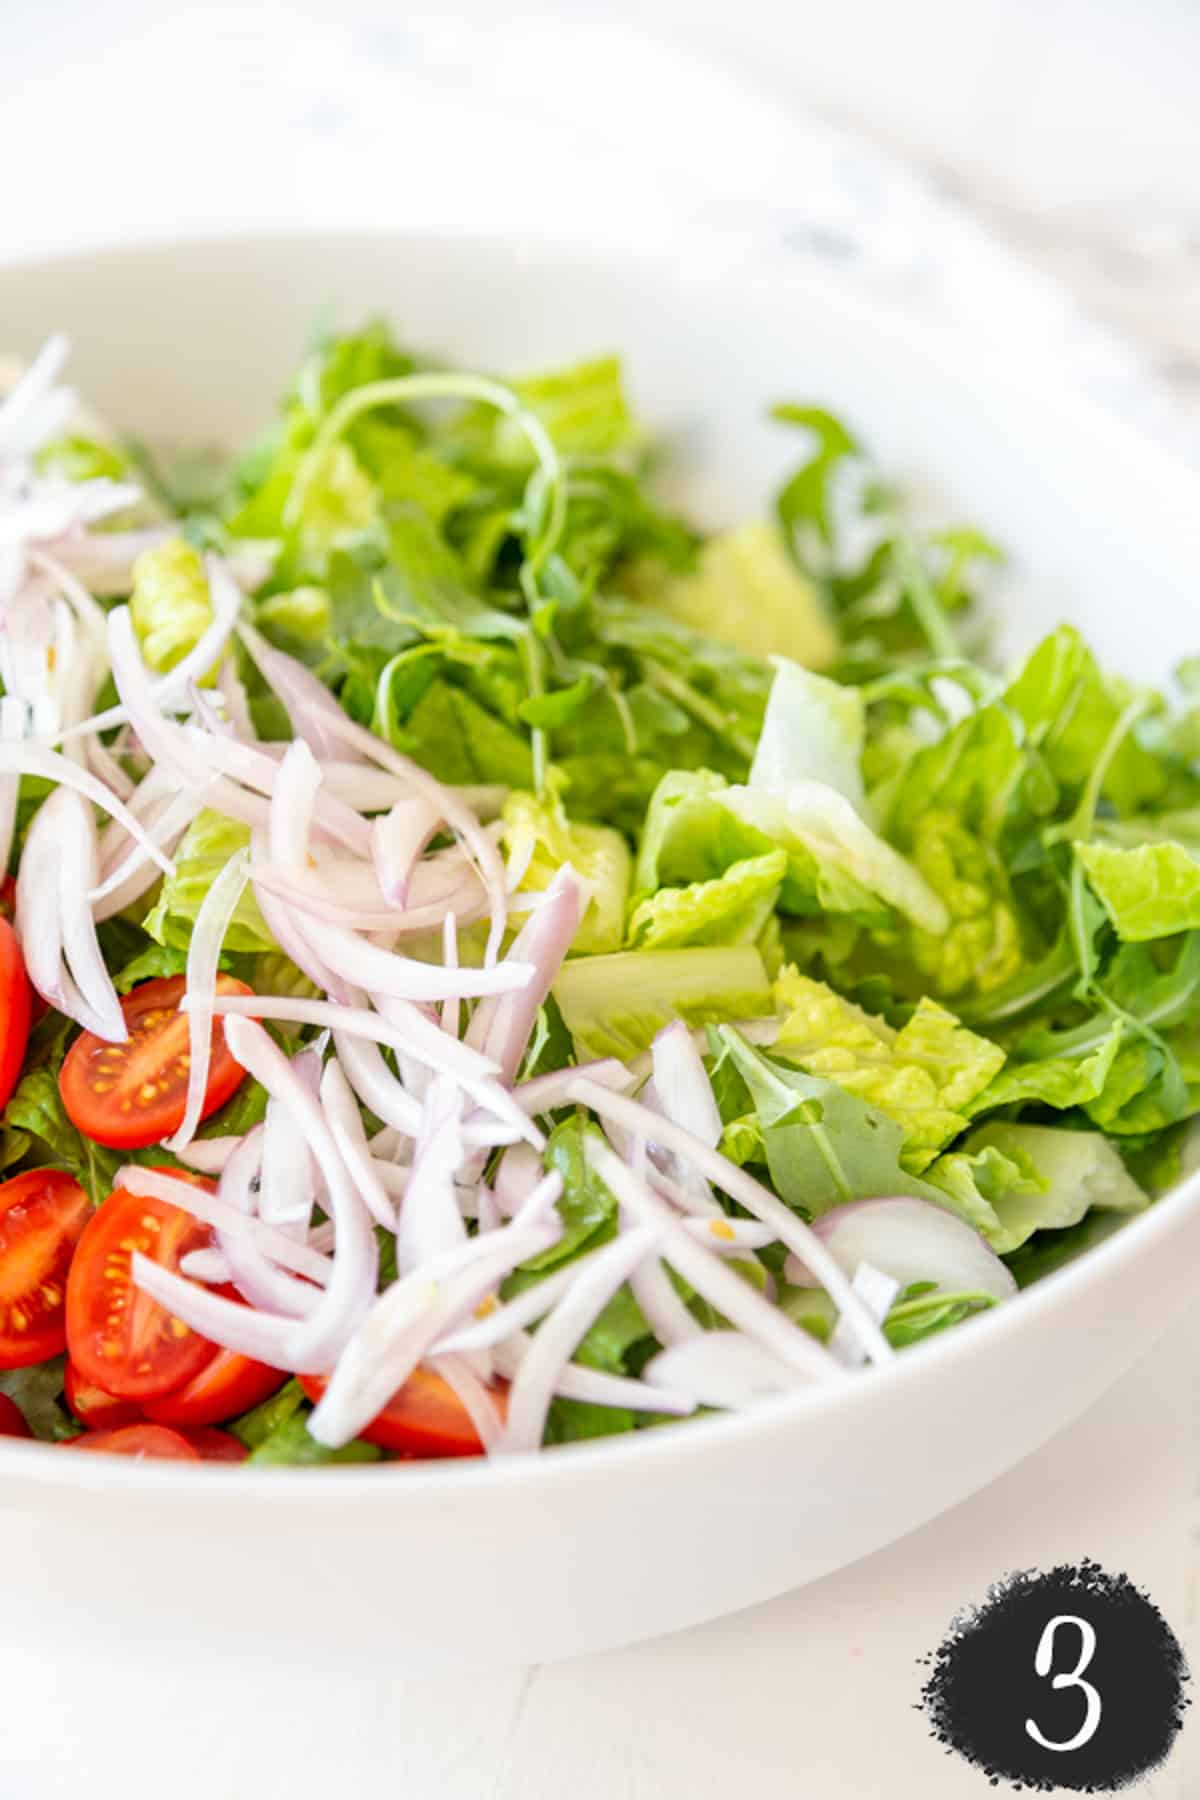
920	161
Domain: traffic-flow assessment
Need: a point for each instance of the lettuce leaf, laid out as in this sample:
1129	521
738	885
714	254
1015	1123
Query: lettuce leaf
733	909
614	1005
169	605
814	730
924	1077
598	854
1072	1171
1059	1081
1148	892
205	848
746	591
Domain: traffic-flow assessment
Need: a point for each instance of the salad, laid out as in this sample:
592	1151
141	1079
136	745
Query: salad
488	964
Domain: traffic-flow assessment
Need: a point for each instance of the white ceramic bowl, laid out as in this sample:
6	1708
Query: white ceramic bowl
596	1545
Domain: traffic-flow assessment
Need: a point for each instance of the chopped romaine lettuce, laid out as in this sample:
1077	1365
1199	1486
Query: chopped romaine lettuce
614	1005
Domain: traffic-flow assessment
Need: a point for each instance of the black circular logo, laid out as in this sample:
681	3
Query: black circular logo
1070	1680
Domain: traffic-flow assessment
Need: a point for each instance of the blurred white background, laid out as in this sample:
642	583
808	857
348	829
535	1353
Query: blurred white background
943	149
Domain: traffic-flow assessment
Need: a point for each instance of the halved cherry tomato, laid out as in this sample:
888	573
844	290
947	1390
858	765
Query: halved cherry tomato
230	1384
137	1440
42	1218
215	1446
16	998
424	1418
133	1094
12	1419
93	1407
118	1337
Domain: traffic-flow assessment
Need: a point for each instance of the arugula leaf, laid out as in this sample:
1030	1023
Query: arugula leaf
38	1392
823	1144
291	1445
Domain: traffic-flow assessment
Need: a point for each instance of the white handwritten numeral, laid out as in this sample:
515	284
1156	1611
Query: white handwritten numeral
1043	1662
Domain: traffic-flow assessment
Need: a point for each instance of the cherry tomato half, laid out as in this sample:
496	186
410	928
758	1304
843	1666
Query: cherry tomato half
424	1418
12	1419
215	1446
93	1407
133	1094
16	997
42	1218
118	1337
137	1440
230	1384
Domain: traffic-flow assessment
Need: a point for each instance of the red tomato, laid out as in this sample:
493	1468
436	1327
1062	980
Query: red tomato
133	1094
230	1384
16	997
98	1410
215	1446
118	1337
12	1419
425	1418
42	1217
137	1440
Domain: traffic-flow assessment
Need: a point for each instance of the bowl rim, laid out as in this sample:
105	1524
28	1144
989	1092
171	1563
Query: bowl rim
1143	462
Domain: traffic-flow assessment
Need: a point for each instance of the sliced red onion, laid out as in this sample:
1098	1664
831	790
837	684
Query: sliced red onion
280	922
307	701
519	1173
403	978
430	1222
376	1086
408	1318
560	1333
477	1400
664	1308
451	1007
75	831
501	1027
137	874
487	1213
495	1325
237	701
260	1335
398	840
208	1266
246	763
311	894
258	1278
229	1218
28	758
750	1194
721	1286
910	1240
208	1156
345	1122
593	1386
684	1094
34	409
203	962
457	814
38	919
317	1341
190	762
878	1291
287	1186
105	767
722	1368
731	1237
546	1093
417	1037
